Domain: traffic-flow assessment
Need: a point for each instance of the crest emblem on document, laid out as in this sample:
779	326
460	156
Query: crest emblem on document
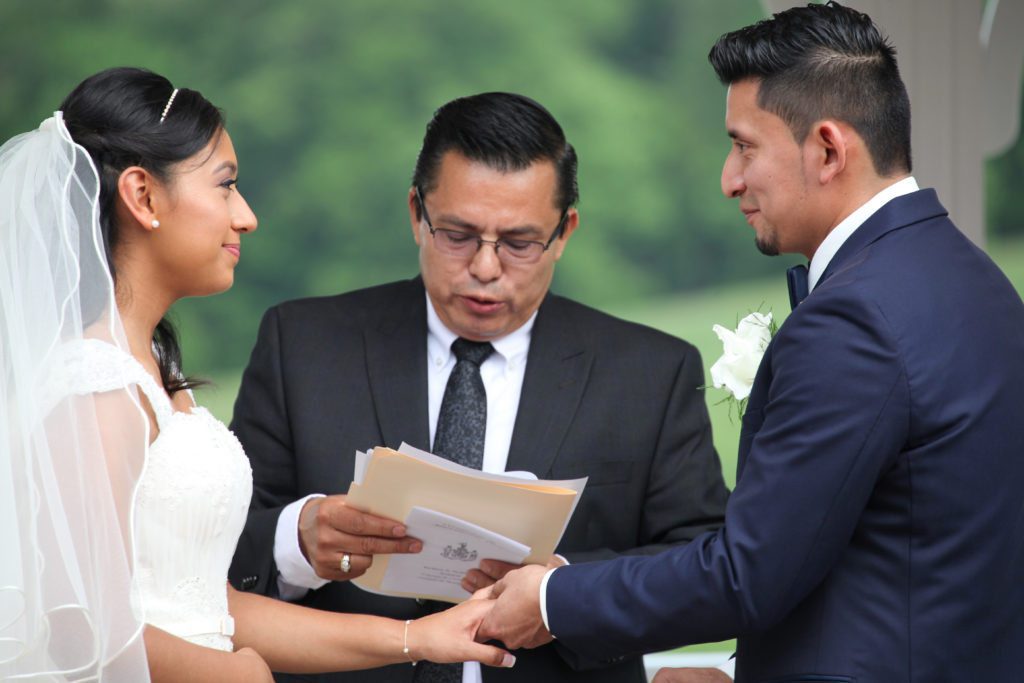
460	552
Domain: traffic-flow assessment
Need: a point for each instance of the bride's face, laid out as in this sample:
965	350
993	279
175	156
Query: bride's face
202	217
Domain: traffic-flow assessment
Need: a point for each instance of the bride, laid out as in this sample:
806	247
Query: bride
121	500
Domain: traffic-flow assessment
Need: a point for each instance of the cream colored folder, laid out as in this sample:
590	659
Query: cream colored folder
532	512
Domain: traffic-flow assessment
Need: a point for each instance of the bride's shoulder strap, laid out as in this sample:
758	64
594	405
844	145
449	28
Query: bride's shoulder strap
95	366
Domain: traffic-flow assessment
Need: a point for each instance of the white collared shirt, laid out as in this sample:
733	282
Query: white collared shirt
502	373
835	239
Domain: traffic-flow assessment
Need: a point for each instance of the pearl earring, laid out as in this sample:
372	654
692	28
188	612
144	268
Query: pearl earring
155	223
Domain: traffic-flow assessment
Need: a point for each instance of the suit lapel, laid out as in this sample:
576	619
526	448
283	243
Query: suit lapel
557	368
897	213
396	364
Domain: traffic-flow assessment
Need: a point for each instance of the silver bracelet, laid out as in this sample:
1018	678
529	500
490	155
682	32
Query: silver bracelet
405	642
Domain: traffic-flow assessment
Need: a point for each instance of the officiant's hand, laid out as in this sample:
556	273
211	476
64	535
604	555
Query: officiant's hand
330	530
491	571
515	619
688	675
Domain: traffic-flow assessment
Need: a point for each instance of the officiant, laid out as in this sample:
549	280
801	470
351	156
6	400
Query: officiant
477	361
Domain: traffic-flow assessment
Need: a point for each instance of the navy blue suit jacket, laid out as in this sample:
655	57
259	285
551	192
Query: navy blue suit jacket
876	532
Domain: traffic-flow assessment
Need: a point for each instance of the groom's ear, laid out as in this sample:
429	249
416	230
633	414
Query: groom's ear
137	190
830	143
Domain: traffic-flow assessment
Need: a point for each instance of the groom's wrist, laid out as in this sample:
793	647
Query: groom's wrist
544	599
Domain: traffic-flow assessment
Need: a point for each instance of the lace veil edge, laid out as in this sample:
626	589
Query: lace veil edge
70	459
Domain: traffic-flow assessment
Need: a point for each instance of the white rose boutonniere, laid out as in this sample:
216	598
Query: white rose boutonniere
742	352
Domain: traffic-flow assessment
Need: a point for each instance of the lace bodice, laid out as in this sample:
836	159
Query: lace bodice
191	504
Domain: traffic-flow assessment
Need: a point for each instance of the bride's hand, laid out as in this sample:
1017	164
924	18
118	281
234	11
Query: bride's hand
255	668
448	637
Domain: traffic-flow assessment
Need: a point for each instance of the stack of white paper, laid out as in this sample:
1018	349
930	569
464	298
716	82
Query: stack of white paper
462	516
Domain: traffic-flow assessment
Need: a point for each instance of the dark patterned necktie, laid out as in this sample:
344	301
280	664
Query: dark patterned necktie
459	436
463	418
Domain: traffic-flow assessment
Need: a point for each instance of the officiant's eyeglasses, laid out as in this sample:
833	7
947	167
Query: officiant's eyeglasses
511	251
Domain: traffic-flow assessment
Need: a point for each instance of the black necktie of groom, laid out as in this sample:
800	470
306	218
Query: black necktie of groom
796	279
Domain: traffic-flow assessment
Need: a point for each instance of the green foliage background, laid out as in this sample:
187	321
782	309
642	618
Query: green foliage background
327	100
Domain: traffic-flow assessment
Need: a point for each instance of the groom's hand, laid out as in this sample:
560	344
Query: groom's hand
515	619
491	571
329	529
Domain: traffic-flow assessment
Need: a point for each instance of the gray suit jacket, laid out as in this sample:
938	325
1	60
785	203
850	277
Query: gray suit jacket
603	398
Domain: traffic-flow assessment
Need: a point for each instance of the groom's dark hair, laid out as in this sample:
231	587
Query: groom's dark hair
824	61
505	131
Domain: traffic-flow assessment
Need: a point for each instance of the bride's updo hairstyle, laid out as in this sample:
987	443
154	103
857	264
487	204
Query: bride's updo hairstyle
116	116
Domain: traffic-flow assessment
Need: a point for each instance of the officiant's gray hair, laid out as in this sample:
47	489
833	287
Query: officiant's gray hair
505	131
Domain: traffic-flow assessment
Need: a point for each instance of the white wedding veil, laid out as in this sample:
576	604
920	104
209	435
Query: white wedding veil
69	459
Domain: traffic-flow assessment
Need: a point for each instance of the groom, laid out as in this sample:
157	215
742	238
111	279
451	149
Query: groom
876	532
568	391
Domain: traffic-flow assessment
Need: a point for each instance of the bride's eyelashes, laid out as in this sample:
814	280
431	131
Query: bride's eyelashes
230	183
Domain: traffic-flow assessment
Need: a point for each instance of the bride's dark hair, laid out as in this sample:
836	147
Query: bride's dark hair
115	116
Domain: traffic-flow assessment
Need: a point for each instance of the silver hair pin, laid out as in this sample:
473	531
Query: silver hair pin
168	107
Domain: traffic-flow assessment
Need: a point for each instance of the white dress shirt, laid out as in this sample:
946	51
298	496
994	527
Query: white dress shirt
834	240
819	262
502	373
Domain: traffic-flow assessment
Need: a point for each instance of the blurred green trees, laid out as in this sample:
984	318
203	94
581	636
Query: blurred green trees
327	100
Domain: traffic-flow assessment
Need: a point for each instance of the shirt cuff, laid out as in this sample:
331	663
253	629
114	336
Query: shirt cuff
544	599
295	575
729	668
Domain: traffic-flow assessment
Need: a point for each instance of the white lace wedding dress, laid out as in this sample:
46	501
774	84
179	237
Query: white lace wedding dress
191	505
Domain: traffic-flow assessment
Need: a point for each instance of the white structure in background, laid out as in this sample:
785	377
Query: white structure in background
963	63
